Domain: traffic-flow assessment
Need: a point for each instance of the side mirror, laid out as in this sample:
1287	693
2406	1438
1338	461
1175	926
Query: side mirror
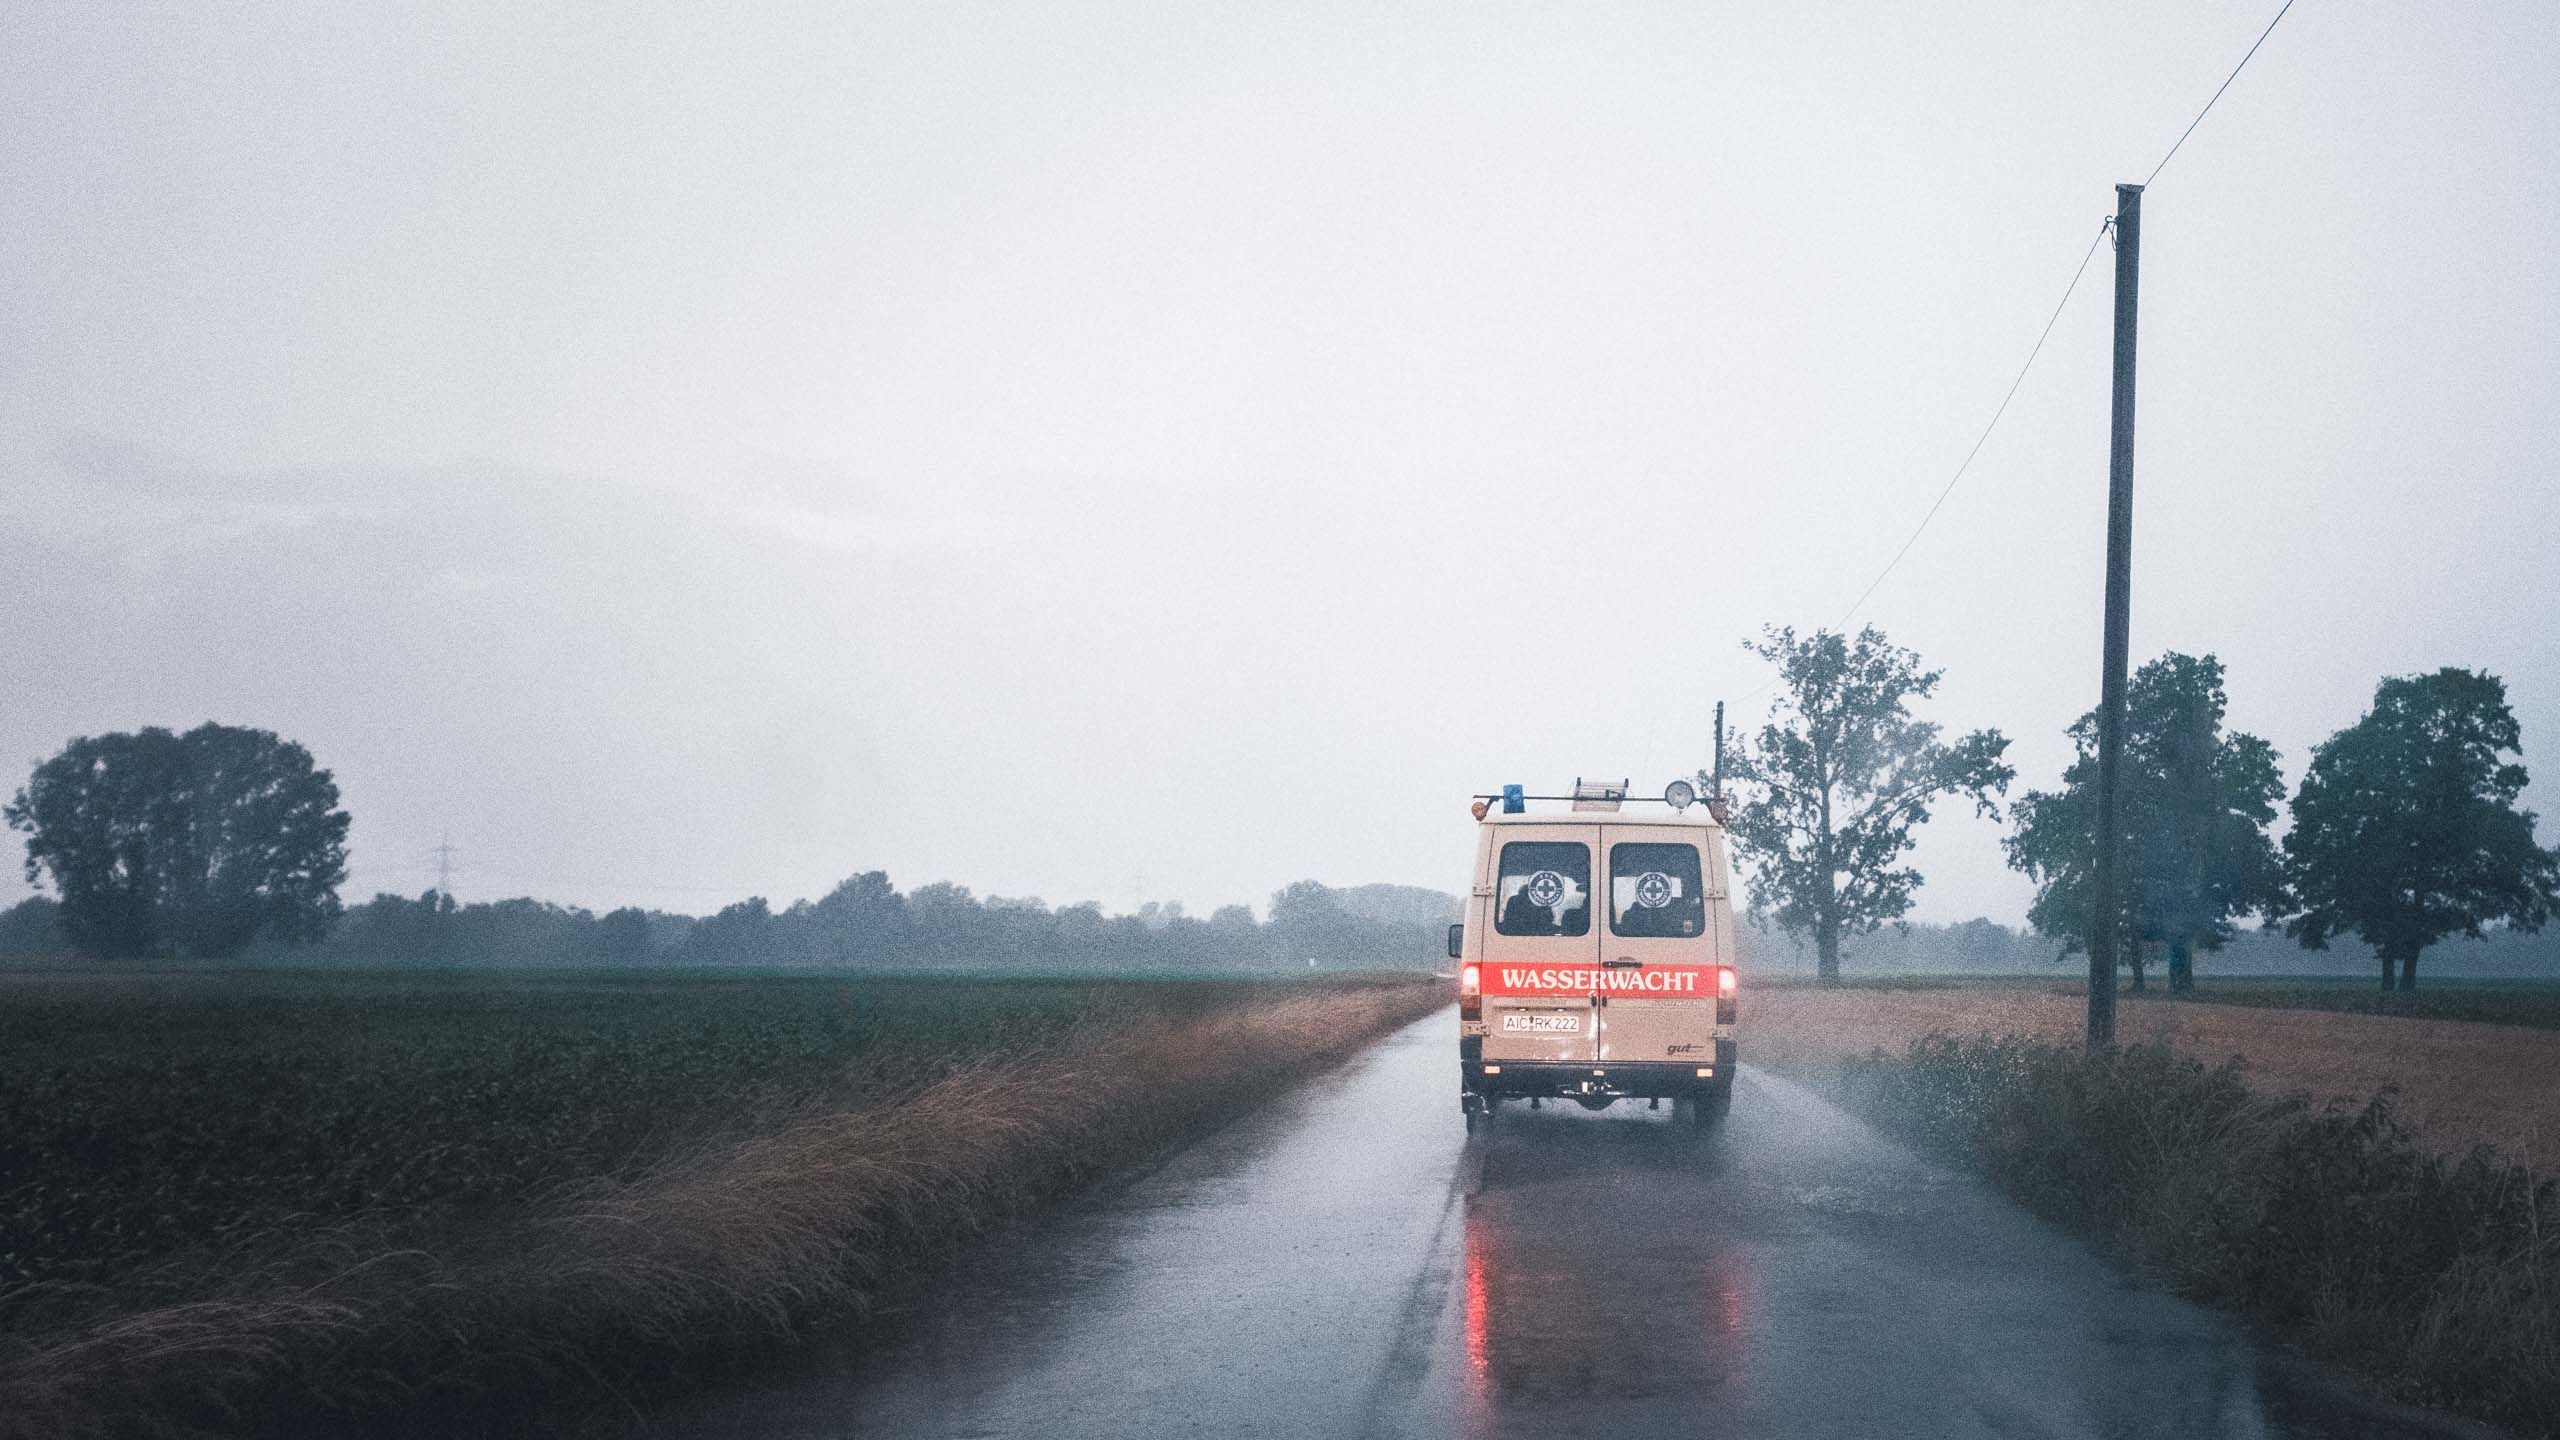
1457	941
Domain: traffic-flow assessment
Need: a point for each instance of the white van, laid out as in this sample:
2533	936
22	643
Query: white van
1597	960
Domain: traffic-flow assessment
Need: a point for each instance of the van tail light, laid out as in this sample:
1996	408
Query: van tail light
1470	992
1725	984
1728	1007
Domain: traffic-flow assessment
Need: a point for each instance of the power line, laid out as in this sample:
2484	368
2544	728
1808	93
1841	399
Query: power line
1982	439
2038	349
2217	95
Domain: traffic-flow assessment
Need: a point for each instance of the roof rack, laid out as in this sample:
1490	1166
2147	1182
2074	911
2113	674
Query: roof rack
1621	800
1606	795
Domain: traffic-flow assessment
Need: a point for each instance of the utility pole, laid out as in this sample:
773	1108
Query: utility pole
1717	792
444	867
2106	930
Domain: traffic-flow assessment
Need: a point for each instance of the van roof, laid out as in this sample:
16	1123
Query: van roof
1694	818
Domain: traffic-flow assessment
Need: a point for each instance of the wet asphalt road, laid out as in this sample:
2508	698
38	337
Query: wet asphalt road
1347	1263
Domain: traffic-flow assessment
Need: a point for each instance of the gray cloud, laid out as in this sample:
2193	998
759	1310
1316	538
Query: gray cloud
1077	447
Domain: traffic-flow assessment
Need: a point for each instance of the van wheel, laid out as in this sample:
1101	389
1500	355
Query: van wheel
1708	1110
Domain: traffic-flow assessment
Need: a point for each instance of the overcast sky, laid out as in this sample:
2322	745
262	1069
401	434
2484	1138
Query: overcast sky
1164	451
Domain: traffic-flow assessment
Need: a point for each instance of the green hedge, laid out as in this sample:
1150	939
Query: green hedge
2438	1279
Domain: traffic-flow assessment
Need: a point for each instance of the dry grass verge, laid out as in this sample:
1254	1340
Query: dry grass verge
2459	1083
2437	1278
626	1289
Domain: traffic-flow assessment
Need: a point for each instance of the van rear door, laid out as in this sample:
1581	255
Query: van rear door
1543	948
1658	946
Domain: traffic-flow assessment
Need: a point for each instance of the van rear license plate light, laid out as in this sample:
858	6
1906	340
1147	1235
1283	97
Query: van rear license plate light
1706	1072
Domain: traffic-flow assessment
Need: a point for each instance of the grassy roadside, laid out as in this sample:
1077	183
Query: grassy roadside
624	1284
2436	1278
2528	1002
2488	1002
2459	1083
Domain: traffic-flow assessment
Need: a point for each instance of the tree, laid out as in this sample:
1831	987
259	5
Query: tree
2405	829
1837	779
739	934
192	844
2192	816
33	926
395	929
1306	905
1309	925
623	937
860	920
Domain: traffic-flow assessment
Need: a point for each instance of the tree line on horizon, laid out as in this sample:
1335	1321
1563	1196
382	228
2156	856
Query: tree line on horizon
227	844
863	923
2405	828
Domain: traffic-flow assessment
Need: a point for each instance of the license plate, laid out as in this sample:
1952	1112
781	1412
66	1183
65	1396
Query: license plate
1543	1024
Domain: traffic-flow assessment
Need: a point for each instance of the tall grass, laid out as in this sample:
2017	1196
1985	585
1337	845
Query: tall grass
624	1287
2439	1279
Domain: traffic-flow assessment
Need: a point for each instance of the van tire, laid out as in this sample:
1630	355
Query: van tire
1705	1110
1708	1110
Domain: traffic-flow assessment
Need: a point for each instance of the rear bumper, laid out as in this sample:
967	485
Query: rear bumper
1649	1079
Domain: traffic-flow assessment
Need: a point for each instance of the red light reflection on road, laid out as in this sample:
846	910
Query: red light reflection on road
1479	1310
1548	1313
1729	1294
1475	1311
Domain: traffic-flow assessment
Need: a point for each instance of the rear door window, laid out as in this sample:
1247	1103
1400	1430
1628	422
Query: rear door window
1654	891
1544	888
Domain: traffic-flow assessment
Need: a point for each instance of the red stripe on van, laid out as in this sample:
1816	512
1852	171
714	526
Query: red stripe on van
1650	982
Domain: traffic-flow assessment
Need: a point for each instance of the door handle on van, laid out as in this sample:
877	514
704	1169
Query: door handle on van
1622	963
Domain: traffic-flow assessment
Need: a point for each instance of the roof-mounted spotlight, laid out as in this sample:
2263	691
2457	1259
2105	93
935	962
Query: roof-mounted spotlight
1680	795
